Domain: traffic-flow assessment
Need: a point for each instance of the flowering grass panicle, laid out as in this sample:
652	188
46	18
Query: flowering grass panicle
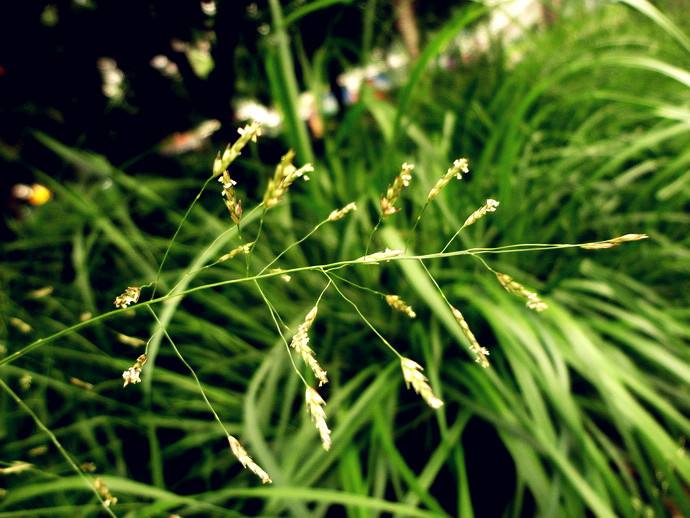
129	296
248	133
381	256
233	204
315	404
460	166
514	287
108	499
300	343
133	374
489	206
480	353
395	189
242	249
246	461
399	304
132	341
285	175
615	241
412	373
341	213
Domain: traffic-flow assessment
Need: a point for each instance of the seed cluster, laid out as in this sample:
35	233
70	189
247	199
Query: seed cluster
514	287
412	374
393	192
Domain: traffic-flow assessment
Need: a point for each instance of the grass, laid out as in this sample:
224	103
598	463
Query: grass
583	139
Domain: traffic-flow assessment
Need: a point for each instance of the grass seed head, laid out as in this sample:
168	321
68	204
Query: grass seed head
233	204
480	353
133	374
20	325
300	343
460	166
412	373
395	189
246	461
129	296
514	287
248	133
315	404
610	243
399	304
341	213
285	175
489	206
108	499
242	249
381	256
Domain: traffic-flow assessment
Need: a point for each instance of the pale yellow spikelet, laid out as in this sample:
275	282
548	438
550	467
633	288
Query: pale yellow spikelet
25	381
489	206
514	287
315	404
41	292
130	340
16	467
381	256
81	383
88	467
480	353
341	213
395	189
246	461
248	133
285	175
129	296
412	374
133	374
232	203
242	249
610	243
108	499
37	451
300	343
460	166
19	324
399	304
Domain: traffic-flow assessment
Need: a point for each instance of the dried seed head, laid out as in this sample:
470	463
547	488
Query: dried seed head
460	166
393	192
285	175
108	499
129	296
399	304
242	249
341	213
300	343
315	409
381	256
412	373
133	374
489	206
130	340
246	461
610	243
480	353
514	287
22	326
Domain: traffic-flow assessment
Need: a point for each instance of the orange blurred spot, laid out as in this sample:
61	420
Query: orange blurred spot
40	194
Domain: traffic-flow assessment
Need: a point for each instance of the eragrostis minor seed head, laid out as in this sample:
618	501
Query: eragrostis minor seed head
412	374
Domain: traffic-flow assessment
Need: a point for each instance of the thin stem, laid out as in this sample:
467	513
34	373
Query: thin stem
416	222
191	370
359	286
452	238
177	231
287	346
319	267
57	444
296	243
371	326
371	236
